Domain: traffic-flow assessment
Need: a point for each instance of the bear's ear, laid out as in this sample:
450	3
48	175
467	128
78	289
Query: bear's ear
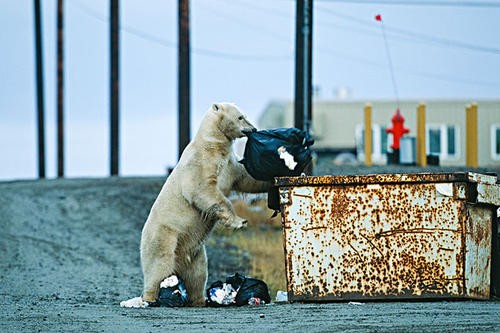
217	107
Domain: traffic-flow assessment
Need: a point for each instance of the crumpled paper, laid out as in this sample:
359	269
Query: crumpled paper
224	295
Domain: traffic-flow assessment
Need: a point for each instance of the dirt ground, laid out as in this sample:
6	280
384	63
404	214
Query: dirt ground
70	254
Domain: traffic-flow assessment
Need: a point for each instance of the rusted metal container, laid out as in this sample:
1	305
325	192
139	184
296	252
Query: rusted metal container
388	236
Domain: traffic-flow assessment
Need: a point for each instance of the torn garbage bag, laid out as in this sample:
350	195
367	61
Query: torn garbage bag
277	152
238	290
172	293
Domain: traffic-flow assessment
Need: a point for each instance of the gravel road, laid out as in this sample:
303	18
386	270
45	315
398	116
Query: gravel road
70	255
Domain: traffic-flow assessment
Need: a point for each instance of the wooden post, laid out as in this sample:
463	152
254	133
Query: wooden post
60	88
471	135
114	55
467	135
474	135
184	76
421	153
368	134
39	90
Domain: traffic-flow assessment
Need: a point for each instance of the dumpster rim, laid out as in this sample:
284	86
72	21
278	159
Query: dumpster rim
425	177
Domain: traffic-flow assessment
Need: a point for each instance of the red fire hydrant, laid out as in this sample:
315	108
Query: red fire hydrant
397	129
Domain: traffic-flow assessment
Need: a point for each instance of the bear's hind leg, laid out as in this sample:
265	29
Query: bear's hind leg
158	263
195	277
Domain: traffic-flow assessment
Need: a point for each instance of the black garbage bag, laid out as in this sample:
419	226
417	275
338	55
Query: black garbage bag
237	290
252	289
277	152
172	293
273	199
236	280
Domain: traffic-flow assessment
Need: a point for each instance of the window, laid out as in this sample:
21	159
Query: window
495	142
442	140
380	143
384	140
434	139
450	132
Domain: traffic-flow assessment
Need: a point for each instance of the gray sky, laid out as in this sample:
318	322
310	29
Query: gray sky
242	51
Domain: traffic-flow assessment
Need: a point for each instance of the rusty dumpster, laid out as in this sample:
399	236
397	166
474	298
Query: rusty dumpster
388	236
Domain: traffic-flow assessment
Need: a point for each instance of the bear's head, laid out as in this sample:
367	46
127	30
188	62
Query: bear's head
231	121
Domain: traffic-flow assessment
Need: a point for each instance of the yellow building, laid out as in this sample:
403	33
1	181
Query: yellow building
338	127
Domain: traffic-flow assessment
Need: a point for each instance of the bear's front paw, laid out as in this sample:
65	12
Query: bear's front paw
236	223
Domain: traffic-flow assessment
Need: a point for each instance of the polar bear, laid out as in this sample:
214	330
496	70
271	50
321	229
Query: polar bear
192	200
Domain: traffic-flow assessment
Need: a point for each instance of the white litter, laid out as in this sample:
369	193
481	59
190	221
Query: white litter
287	157
224	295
135	302
171	281
281	296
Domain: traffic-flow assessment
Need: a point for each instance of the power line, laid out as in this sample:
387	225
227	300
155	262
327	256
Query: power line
483	4
267	10
202	51
394	32
445	41
423	74
243	57
253	26
239	56
416	35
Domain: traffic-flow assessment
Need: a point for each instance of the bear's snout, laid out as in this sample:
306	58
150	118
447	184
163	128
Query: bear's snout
249	130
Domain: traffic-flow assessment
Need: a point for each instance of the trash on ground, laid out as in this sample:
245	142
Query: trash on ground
135	302
238	290
221	293
172	294
281	296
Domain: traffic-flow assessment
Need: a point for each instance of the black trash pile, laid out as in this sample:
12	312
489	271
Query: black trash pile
238	290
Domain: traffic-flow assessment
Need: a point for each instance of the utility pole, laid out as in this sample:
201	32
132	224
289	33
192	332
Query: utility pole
39	89
184	76
60	89
303	64
114	37
303	68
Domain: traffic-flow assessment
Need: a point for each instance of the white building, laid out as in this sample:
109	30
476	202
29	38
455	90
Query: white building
338	126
